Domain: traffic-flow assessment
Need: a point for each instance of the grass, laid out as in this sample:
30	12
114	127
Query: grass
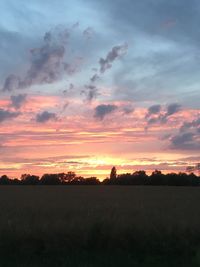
99	226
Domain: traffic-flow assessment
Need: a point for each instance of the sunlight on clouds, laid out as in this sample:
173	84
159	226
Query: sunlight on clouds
78	92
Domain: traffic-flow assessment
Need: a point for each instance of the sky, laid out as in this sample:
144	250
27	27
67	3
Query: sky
86	85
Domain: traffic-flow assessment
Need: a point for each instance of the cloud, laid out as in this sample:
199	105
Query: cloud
45	116
172	109
94	78
193	159
128	109
153	120
73	67
178	140
88	33
65	106
46	65
155	109
185	141
91	92
149	16
18	100
115	53
69	90
188	137
46	62
7	115
193	124
155	114
11	83
71	86
103	110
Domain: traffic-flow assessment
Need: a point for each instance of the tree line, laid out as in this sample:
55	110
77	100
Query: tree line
135	178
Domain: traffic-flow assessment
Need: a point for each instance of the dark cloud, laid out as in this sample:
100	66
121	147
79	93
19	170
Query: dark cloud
46	65
155	16
155	114
45	116
91	92
7	115
172	109
193	124
155	109
185	141
188	136
103	110
46	62
18	100
178	140
94	78
115	53
11	83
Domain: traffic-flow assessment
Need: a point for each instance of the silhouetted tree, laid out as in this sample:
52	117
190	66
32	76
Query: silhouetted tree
106	181
113	173
136	178
16	182
28	179
4	180
70	176
77	180
50	179
66	178
156	178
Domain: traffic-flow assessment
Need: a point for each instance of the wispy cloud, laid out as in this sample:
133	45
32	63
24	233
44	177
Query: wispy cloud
115	53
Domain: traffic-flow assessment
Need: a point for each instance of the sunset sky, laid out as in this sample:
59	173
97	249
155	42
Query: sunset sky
89	84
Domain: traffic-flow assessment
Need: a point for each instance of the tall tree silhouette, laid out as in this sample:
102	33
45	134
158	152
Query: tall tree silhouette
113	173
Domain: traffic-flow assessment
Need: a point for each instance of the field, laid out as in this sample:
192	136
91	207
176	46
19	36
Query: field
99	226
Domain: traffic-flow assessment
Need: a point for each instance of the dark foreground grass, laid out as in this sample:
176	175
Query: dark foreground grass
99	226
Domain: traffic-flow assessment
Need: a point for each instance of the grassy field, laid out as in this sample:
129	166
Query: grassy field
99	226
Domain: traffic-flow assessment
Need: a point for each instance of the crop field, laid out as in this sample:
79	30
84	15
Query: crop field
99	226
